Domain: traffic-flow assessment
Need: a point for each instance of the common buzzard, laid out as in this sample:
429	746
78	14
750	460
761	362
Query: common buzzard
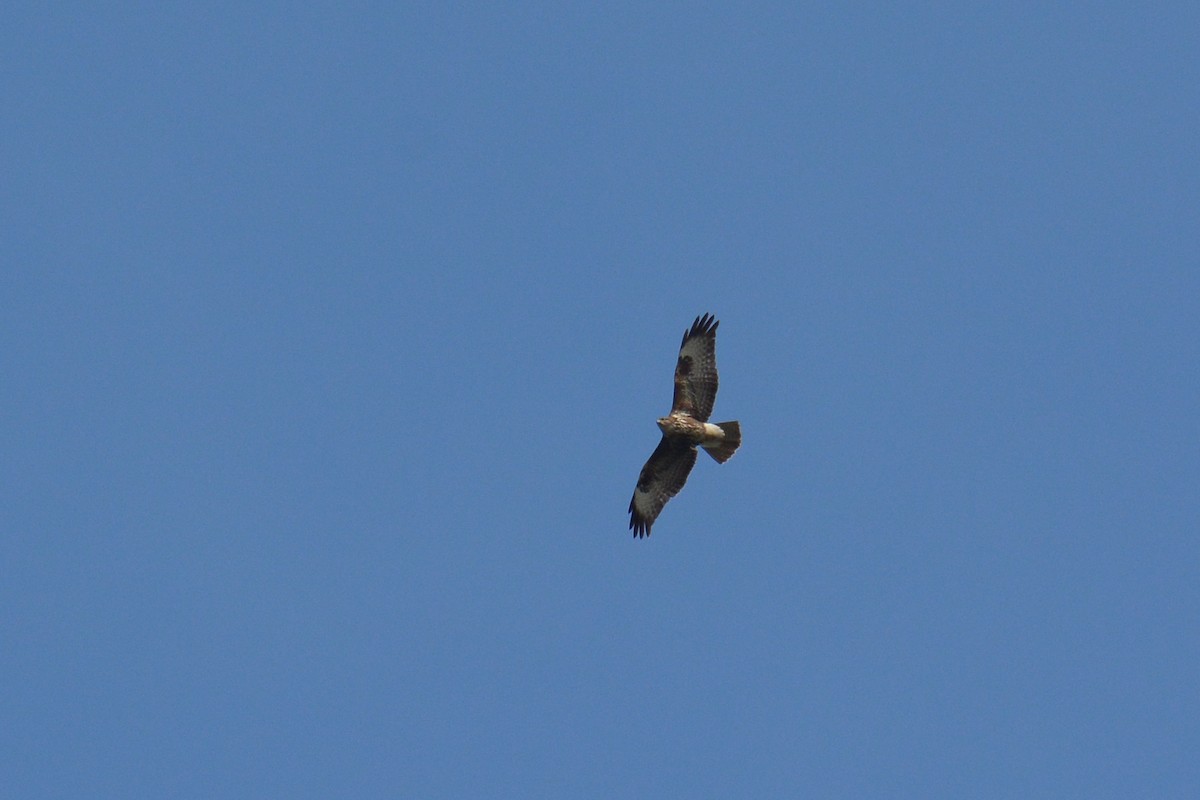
684	428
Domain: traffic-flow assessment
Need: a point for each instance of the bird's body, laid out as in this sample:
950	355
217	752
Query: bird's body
685	428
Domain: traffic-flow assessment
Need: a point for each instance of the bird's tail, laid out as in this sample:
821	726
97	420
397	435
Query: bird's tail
728	444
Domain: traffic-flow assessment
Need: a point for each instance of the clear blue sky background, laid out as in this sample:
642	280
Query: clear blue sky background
334	336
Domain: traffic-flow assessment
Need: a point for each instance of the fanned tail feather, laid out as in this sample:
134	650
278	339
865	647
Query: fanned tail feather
722	450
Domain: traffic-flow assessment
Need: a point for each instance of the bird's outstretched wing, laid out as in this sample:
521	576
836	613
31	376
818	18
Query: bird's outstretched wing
696	369
660	480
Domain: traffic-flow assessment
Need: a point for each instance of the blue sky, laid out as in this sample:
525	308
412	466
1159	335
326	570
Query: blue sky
334	336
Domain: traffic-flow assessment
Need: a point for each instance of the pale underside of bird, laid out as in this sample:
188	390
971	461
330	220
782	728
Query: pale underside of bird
685	428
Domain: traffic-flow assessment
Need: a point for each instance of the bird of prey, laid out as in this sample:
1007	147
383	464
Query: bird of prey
684	428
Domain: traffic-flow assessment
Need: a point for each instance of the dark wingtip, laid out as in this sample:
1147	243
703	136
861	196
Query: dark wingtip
704	325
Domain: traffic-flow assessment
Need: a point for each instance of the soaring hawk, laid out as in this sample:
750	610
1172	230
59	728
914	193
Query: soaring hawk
684	428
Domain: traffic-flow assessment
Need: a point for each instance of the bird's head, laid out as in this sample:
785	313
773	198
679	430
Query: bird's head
662	424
